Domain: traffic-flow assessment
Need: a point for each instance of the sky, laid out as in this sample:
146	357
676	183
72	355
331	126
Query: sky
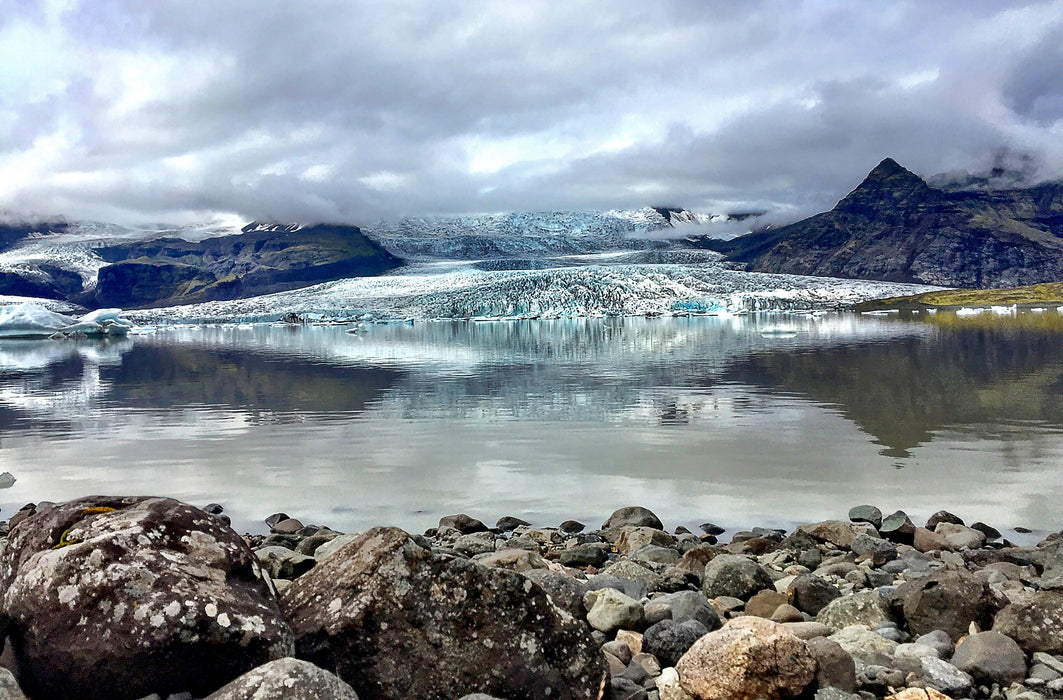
348	111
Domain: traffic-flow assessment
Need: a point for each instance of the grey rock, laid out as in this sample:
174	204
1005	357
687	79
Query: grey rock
669	640
633	571
276	518
290	526
632	538
864	645
333	545
563	591
810	593
633	588
609	610
635	516
937	674
682	606
946	600
518	560
939	641
898	527
308	545
878	550
121	597
396	620
1043	673
734	575
654	554
830	693
866	514
942	516
1050	660
834	665
583	555
867	608
620	650
912	650
571	527
508	523
286	679
621	688
712	529
991	657
9	689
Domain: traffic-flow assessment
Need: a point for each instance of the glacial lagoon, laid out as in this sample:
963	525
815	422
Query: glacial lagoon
761	419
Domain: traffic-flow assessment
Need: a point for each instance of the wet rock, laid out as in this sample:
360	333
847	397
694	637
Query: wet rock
834	666
991	657
635	516
1036	624
669	640
463	523
948	601
276	518
121	597
571	527
508	523
866	514
734	575
395	620
712	529
898	527
991	533
609	610
867	608
286	679
747	658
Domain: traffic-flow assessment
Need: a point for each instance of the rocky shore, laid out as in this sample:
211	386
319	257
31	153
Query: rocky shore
110	597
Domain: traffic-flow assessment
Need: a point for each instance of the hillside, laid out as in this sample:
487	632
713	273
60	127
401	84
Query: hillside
895	227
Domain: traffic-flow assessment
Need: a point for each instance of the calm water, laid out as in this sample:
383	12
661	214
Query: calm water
730	420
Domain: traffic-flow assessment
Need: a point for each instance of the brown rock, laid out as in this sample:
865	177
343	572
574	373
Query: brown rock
926	540
1035	623
946	600
748	658
765	603
836	532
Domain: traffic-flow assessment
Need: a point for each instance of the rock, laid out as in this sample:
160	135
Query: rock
463	523
898	527
866	514
939	641
333	545
669	640
918	694
747	658
764	603
276	518
654	554
991	533
960	537
609	610
632	639
864	645
475	544
834	666
120	597
682	606
1036	624
946	600
864	608
518	560
309	545
633	588
397	620
633	538
942	516
286	679
668	686
808	630
9	689
928	541
635	516
571	527
810	593
284	563
830	693
878	550
937	674
836	532
625	689
734	575
991	657
712	529
288	526
509	523
621	651
563	591
1051	661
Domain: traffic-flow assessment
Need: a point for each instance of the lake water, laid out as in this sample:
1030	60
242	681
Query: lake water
752	420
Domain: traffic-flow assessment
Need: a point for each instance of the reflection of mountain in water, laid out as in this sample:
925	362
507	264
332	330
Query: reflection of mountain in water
903	391
169	376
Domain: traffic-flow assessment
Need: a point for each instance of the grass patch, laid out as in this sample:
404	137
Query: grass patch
1045	294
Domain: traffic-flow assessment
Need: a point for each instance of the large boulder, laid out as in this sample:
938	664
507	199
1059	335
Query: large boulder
286	679
636	516
395	620
747	658
991	657
1036	623
869	608
110	597
946	600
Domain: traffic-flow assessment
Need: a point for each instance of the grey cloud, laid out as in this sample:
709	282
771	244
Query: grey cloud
352	111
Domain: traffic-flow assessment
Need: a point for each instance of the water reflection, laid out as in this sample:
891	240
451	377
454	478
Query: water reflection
701	418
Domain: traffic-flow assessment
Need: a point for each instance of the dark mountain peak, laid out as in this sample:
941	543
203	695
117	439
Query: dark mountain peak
888	185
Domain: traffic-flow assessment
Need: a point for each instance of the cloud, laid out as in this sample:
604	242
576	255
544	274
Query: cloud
353	111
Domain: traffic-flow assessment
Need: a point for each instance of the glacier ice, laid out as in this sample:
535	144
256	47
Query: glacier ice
33	320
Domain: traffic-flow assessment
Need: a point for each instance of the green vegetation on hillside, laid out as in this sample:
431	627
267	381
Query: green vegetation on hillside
1047	294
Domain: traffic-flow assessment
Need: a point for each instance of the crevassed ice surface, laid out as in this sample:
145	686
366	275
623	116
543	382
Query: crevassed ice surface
750	420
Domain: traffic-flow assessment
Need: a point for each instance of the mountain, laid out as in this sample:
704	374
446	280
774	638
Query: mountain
262	259
896	227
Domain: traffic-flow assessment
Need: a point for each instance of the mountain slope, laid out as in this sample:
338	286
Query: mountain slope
895	227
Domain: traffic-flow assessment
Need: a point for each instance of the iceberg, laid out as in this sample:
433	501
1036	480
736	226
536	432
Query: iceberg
31	320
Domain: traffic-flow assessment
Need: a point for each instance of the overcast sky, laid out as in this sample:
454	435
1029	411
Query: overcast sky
347	111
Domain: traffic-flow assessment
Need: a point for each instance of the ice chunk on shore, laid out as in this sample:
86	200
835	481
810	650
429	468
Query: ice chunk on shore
30	320
100	322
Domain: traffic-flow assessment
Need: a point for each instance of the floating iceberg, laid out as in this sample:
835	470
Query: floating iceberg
31	320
